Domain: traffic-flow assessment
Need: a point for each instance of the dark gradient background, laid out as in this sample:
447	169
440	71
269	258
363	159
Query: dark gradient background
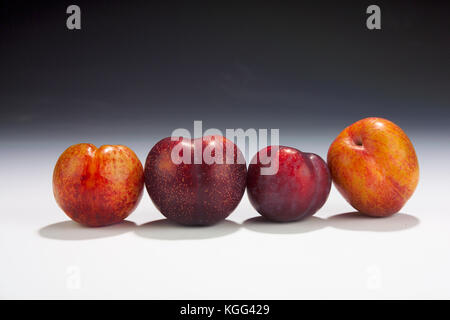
137	70
143	69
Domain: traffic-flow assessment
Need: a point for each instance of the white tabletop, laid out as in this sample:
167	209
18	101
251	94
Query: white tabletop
335	254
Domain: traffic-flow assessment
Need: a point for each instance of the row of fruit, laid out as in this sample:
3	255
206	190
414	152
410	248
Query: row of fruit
372	163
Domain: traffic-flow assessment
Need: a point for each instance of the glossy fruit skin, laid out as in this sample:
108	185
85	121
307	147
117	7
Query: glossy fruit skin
374	166
299	188
98	187
194	194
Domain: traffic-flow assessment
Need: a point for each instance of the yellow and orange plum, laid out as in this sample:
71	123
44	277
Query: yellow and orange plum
374	166
98	187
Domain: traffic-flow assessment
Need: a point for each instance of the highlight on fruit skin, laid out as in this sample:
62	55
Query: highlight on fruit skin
298	189
374	166
98	187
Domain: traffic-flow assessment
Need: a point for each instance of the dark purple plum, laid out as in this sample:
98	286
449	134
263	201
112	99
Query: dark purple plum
195	194
299	188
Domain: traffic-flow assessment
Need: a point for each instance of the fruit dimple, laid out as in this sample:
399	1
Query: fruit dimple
357	140
91	171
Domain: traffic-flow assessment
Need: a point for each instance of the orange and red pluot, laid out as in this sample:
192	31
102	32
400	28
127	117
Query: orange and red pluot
98	187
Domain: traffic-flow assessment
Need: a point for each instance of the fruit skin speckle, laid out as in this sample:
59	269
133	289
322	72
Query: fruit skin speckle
299	188
98	187
195	194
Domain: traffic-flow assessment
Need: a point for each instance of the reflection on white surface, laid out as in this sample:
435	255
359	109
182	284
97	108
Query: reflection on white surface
166	230
260	224
347	221
354	221
70	230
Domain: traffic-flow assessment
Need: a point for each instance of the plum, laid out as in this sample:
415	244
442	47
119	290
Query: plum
297	190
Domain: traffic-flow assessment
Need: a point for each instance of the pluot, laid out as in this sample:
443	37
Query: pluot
98	187
374	166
